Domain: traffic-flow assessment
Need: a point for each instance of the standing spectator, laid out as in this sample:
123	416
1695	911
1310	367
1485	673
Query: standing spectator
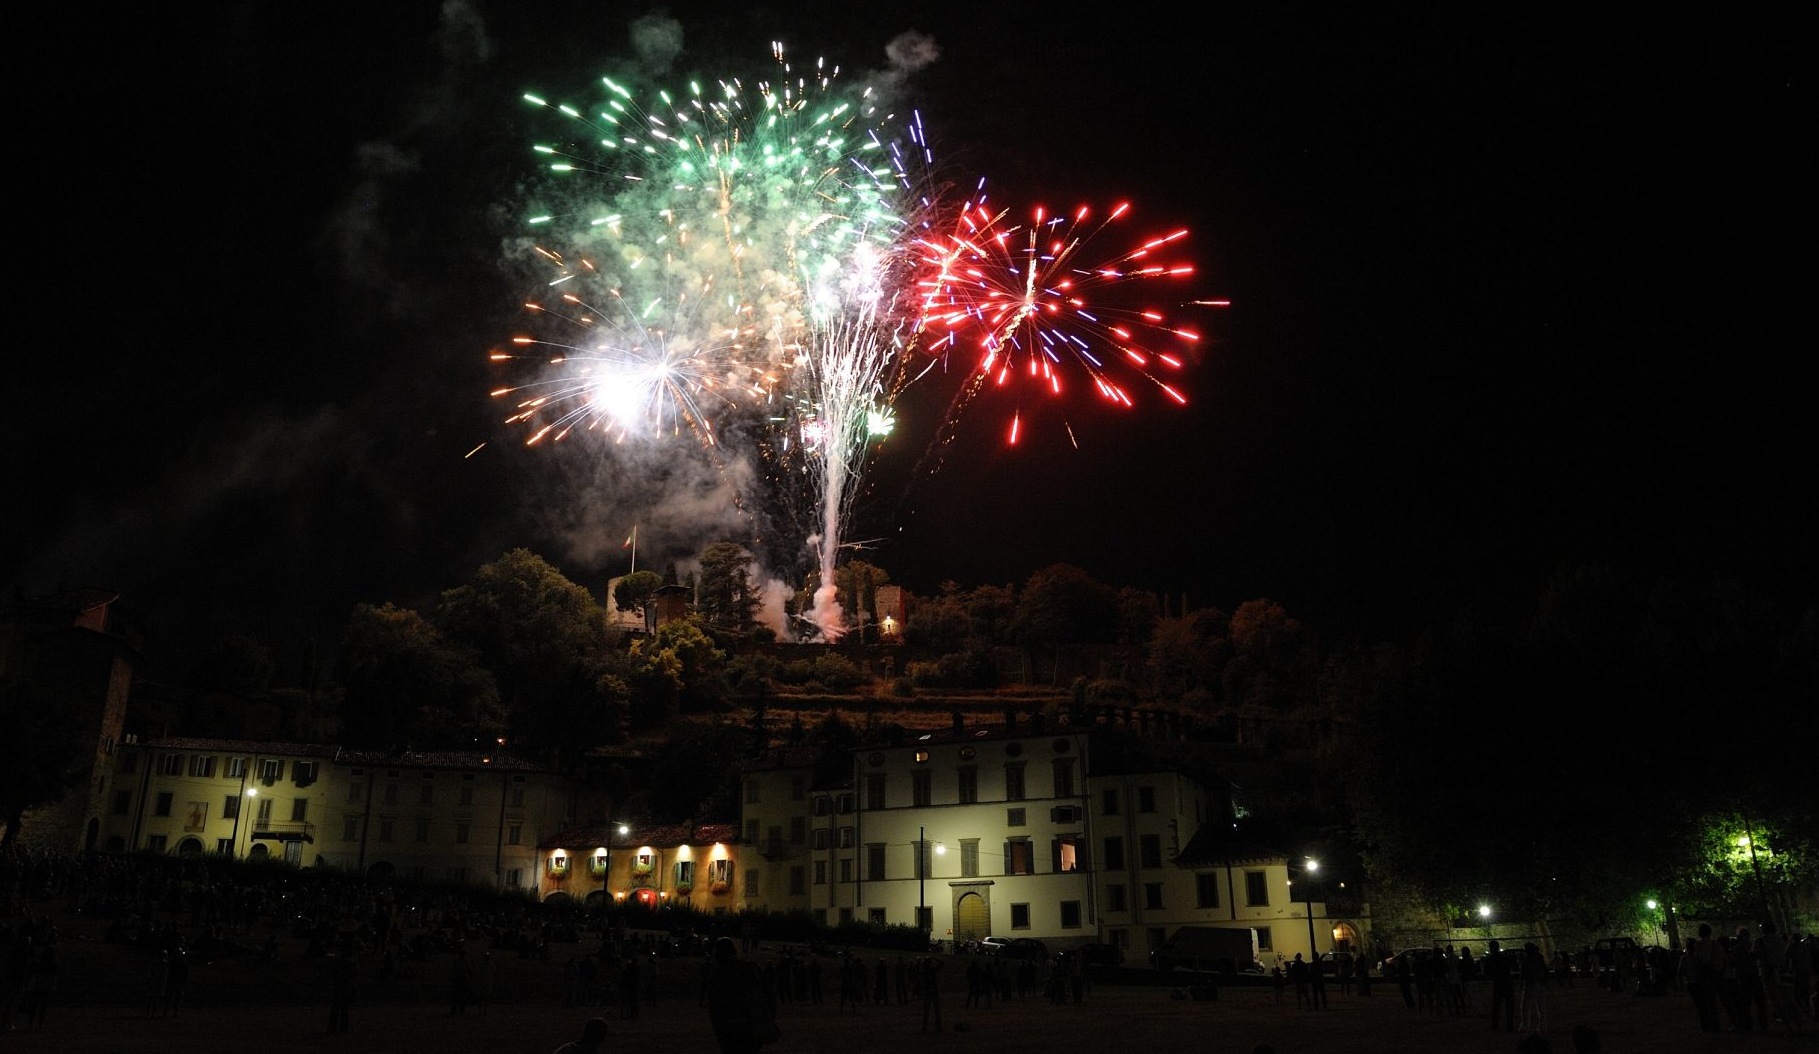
1752	999
460	991
929	974
1531	976
41	987
628	988
1771	954
1501	973
1297	977
738	1005
1702	968
177	980
342	976
1316	984
485	973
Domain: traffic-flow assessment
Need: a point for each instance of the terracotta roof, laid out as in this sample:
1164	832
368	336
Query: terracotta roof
1208	848
659	836
413	759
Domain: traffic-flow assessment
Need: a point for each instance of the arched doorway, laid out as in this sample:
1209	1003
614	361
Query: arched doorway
1345	937
189	847
645	898
258	852
972	917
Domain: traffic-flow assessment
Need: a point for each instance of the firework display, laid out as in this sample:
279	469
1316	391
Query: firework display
763	267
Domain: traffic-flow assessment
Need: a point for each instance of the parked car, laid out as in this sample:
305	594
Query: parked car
1014	948
1100	955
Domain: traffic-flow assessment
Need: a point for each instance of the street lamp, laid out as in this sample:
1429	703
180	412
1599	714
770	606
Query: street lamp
233	843
924	921
606	862
1307	898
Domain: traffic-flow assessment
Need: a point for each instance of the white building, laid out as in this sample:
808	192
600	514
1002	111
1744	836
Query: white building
436	816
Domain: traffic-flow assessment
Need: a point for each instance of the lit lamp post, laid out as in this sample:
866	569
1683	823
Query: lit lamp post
1307	898
233	843
924	921
606	862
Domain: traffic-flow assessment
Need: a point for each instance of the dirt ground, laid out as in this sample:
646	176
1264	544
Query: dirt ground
103	1001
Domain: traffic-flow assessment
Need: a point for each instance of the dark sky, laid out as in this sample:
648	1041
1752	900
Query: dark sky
1506	291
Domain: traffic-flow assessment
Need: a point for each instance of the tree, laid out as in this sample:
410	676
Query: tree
403	683
635	590
1062	607
544	640
728	602
40	754
676	670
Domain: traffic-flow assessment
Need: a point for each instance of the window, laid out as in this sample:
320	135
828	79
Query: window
224	846
818	838
163	807
558	865
685	874
751	882
299	810
1013	782
1146	799
821	872
1108	801
1020	916
1206	890
1070	853
271	770
875	915
798	880
514	877
1114	897
1152	896
1070	914
422	835
265	811
921	787
514	834
874	792
798	830
517	798
969	858
845	804
846	838
356	792
1064	777
1256	889
462	827
350	828
846	872
874	861
202	766
823	806
1019	857
969	785
235	768
1263	938
1013	818
751	831
170	765
303	773
1114	853
123	802
386	826
230	807
1149	850
155	842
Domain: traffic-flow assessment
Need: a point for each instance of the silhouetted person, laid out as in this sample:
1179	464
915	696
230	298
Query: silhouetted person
592	1041
1501	973
738	1006
342	976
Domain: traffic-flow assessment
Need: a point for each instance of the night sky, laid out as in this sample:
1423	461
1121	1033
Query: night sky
1506	292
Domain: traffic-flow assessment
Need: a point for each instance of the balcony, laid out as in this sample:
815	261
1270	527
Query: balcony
295	831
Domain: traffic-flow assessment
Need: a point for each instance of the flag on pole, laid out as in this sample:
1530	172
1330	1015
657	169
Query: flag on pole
630	538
